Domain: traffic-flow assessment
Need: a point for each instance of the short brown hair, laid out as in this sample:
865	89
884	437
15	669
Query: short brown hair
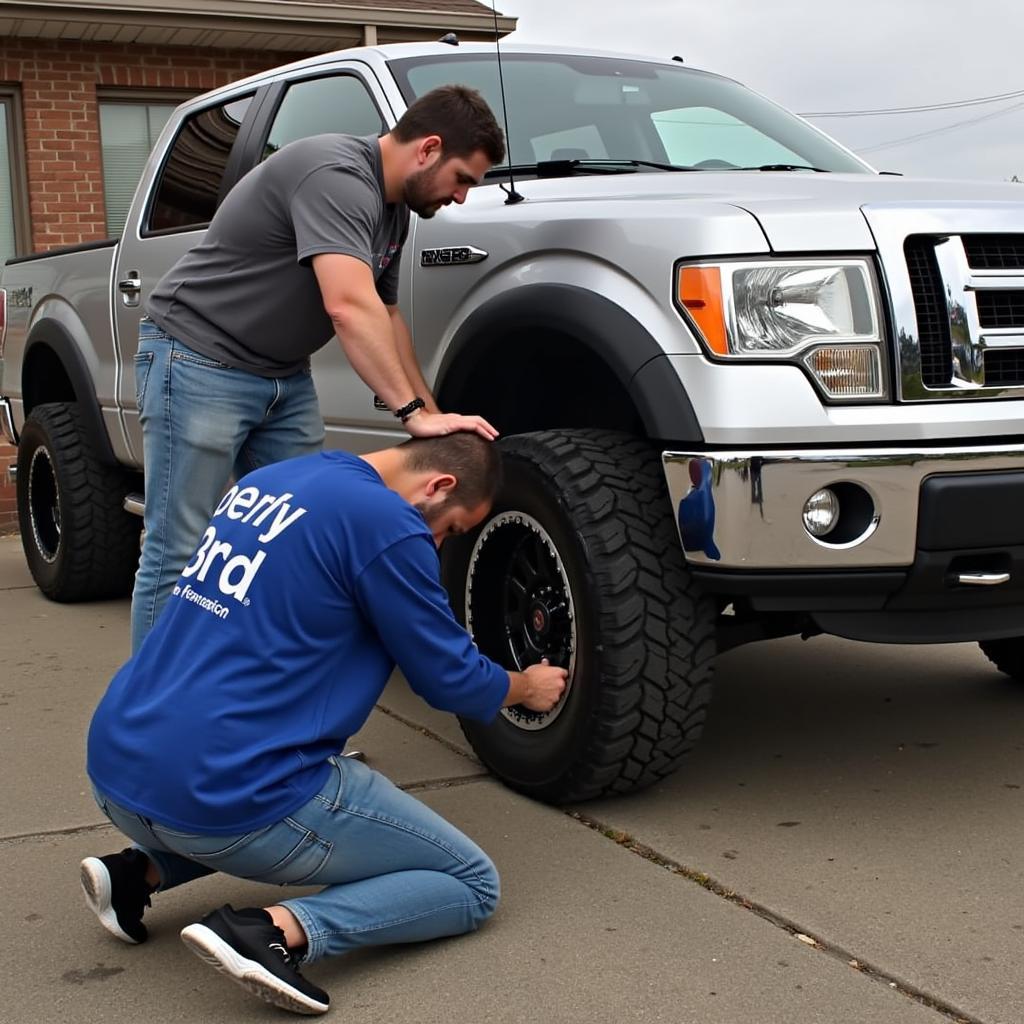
460	116
474	462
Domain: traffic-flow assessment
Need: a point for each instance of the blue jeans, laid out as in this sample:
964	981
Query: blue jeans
394	870
203	421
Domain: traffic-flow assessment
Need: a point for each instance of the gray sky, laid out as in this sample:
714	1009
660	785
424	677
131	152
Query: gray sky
813	55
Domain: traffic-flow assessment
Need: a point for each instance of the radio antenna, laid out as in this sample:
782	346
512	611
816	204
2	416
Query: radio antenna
513	195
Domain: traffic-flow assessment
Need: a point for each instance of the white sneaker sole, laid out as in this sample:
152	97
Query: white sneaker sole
96	887
254	977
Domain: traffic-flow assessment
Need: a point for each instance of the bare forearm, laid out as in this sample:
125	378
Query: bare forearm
369	343
383	357
407	355
521	689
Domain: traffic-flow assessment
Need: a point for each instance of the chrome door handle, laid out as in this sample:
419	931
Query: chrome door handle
130	287
983	579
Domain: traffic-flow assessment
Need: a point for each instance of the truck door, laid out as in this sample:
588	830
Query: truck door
172	207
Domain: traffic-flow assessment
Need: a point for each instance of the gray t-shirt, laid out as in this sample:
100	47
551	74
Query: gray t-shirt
246	295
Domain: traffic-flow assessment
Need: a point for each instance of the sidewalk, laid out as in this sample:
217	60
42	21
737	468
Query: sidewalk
589	930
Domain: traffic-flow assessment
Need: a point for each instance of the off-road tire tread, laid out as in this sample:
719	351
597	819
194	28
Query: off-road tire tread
657	628
100	540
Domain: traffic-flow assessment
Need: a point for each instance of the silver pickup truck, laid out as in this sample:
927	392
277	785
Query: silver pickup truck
748	386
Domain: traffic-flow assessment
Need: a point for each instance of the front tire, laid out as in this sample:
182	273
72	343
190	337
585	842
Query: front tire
80	543
579	561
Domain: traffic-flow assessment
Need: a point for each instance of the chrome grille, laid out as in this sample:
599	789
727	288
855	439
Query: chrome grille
954	273
1004	368
930	305
994	252
1001	309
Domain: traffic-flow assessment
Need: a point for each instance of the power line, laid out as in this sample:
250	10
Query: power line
939	131
885	111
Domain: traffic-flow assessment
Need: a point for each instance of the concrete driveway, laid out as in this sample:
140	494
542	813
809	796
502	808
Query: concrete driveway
845	846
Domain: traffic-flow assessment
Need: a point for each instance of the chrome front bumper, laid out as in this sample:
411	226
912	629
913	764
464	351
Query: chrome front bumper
7	431
743	510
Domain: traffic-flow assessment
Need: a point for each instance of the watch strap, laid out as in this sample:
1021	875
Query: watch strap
407	410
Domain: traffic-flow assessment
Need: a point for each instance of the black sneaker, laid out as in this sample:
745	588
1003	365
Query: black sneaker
247	946
117	893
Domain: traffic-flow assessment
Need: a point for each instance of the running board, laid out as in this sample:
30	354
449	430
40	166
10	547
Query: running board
135	504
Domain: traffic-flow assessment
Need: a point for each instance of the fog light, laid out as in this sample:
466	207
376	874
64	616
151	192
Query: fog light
821	513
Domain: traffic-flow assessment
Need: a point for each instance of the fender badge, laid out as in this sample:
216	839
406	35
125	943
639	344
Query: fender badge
451	256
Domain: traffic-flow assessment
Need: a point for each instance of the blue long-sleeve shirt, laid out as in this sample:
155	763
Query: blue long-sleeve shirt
311	583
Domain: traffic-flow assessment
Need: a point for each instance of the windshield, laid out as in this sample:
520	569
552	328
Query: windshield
594	108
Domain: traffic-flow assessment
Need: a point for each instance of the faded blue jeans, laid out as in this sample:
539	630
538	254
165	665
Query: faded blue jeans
394	870
203	421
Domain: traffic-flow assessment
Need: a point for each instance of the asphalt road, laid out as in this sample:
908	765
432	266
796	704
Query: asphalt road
845	846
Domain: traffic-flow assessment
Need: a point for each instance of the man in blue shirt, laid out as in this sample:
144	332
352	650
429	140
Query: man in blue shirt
215	747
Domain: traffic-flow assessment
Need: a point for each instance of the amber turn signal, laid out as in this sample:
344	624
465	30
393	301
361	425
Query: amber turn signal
700	294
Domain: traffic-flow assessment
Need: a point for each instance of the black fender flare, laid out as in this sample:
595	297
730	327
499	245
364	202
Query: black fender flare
54	335
620	341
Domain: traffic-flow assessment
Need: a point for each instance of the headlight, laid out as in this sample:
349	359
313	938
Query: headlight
825	313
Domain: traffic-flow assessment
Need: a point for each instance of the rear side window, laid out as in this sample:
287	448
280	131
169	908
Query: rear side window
186	193
317	106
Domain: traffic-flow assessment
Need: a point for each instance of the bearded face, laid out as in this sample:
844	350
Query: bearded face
422	192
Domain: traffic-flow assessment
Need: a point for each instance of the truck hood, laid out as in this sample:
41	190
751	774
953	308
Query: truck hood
799	211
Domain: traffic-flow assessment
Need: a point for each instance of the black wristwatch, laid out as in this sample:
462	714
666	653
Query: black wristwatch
407	410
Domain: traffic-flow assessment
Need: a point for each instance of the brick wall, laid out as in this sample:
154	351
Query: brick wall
59	82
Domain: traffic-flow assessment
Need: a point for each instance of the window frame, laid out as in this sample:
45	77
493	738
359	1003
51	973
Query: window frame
10	96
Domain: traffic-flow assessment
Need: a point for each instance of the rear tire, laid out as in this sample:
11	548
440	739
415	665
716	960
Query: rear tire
79	541
579	561
1007	655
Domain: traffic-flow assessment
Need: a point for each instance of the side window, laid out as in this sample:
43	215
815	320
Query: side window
316	106
186	194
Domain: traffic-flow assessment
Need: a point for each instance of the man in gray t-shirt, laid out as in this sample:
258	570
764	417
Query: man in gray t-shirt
305	247
245	295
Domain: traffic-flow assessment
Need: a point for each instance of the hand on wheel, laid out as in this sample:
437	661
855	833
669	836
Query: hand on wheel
546	684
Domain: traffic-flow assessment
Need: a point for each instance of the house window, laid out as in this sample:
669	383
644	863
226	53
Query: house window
128	132
14	228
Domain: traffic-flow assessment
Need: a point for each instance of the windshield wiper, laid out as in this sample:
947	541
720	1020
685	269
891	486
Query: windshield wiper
567	168
783	167
637	163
